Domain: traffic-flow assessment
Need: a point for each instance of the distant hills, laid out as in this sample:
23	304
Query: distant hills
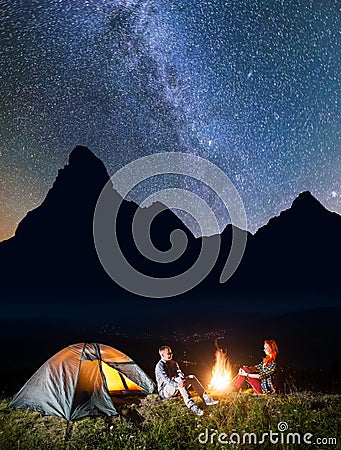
293	258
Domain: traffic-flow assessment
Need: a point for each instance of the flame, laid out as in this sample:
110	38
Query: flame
221	373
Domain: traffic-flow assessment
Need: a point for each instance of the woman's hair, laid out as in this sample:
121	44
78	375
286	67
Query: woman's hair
273	351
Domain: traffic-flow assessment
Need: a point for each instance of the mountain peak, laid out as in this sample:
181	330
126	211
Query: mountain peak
306	199
75	190
83	168
81	154
305	210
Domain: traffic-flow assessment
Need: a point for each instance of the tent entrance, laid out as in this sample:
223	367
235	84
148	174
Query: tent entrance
117	382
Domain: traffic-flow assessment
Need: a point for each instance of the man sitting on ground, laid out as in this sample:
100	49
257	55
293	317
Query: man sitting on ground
170	380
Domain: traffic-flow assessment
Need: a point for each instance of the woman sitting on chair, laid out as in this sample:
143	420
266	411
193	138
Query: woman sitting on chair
259	376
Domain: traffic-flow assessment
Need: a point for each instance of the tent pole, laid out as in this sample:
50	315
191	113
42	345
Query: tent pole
67	434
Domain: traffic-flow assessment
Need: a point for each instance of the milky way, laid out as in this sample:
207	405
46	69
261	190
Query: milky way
250	85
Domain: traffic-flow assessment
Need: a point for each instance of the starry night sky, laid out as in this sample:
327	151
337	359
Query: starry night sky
251	85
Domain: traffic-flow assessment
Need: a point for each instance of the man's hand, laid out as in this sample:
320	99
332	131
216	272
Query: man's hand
182	383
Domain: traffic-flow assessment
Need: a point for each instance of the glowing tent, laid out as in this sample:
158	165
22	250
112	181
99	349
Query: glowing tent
78	381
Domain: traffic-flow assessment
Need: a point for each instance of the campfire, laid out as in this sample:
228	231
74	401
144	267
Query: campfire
221	373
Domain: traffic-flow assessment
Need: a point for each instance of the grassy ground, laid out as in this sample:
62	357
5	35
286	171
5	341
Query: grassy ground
155	424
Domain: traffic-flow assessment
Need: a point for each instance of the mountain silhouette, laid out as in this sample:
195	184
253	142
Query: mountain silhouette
53	249
296	251
53	243
53	246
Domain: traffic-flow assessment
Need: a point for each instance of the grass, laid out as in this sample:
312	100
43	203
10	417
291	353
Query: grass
153	424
